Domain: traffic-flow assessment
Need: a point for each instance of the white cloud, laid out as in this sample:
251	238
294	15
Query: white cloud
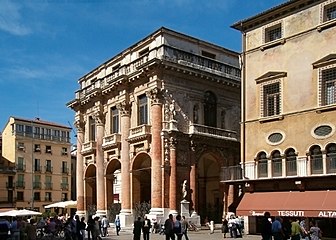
11	20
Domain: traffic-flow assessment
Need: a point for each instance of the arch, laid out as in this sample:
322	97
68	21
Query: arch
210	195
316	159
262	164
90	187
141	178
276	163
331	157
291	162
210	109
112	173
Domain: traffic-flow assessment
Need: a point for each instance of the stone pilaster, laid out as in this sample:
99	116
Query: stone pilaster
79	124
173	177
193	186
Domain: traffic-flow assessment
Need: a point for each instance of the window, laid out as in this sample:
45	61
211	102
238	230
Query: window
262	165
20	181
48	167
114	120
291	169
65	136
271	97
92	129
37	182
56	134
328	84
48	183
64	197
29	130
210	109
37	196
64	151
65	167
37	132
37	165
273	33
64	184
143	109
37	148
276	164
19	128
329	12
21	146
48	133
331	158
316	160
48	197
48	149
19	196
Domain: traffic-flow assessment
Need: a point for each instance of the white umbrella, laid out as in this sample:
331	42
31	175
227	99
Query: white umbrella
64	204
23	212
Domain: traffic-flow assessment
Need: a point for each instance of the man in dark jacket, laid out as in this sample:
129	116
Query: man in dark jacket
266	227
146	226
169	228
137	229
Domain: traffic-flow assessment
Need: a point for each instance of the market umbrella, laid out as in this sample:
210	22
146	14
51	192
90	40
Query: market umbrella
64	204
16	213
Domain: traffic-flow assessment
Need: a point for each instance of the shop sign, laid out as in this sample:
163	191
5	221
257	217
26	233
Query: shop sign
327	214
254	213
288	213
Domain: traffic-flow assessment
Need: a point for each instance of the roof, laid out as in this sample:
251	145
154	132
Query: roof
274	13
39	121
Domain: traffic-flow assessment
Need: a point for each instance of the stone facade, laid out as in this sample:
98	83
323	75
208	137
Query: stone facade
40	154
288	101
163	111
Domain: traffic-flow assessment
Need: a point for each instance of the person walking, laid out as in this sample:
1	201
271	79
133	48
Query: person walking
137	229
169	228
146	226
295	230
82	226
117	224
277	229
90	227
178	227
315	231
225	228
185	226
105	225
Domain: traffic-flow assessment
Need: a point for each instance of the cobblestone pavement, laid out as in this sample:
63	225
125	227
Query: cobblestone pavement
200	235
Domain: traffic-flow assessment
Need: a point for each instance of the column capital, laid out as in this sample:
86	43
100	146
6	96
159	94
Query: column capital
98	114
79	122
155	95
124	108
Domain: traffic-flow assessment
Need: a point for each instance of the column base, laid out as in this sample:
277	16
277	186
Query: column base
81	213
126	218
195	219
101	213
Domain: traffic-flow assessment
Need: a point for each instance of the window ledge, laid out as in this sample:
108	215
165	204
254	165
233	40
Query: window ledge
326	25
274	43
271	118
326	108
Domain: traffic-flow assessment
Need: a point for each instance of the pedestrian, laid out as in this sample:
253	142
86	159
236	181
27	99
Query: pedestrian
137	229
178	227
82	227
105	225
90	227
169	228
304	229
185	226
277	229
315	231
295	230
78	231
117	224
146	226
96	229
266	227
232	225
225	228
31	230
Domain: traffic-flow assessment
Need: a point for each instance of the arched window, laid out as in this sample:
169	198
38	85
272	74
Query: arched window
276	164
210	109
291	168
316	162
262	165
331	158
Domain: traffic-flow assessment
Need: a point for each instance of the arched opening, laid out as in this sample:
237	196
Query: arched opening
112	184
90	187
141	179
210	197
316	160
291	164
276	164
262	164
331	158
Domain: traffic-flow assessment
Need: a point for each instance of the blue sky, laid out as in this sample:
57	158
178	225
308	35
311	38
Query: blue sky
47	45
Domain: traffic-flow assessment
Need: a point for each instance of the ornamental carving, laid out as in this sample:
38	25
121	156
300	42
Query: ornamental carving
79	122
124	108
155	95
98	113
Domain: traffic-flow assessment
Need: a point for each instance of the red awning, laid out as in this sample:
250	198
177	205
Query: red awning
289	204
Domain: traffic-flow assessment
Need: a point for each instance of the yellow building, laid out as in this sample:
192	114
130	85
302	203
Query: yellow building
40	151
288	143
162	112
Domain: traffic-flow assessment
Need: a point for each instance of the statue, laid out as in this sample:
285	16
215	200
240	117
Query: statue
184	189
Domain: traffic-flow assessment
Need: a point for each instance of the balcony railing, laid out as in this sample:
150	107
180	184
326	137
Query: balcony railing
65	170
20	184
140	131
88	147
10	185
48	185
37	168
20	167
65	186
212	132
37	185
111	140
301	167
48	169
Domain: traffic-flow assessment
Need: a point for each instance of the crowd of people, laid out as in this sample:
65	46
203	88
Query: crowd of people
291	228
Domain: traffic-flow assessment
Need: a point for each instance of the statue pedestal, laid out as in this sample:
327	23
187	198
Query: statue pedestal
185	208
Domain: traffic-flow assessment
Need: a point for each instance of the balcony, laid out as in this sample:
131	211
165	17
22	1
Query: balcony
48	169
37	168
10	185
111	140
212	132
48	199
139	133
65	186
7	170
20	184
20	167
65	170
48	185
37	185
88	147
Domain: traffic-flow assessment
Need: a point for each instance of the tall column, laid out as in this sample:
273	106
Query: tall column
125	213
99	118
80	167
156	150
193	179
173	178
